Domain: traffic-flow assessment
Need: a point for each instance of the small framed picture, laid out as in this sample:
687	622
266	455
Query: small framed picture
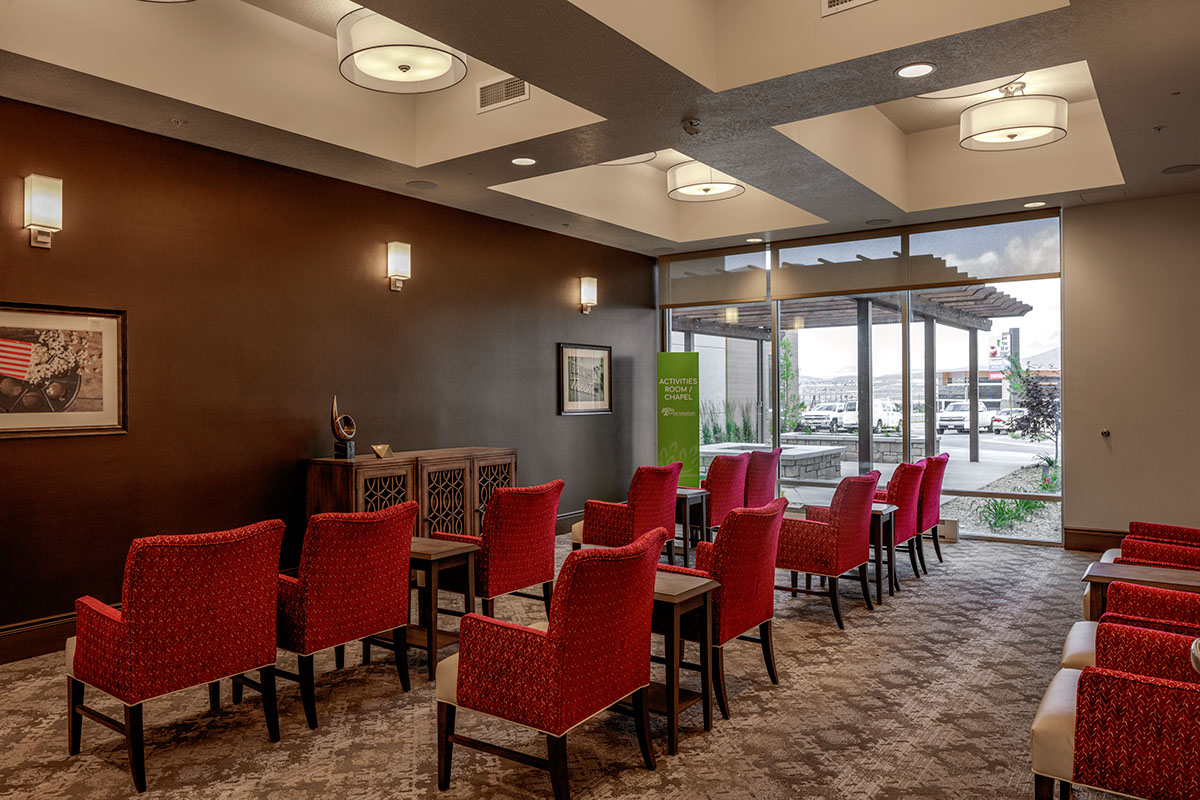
62	371
584	379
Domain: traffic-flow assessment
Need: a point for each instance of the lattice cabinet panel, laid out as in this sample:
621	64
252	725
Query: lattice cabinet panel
381	491
490	475
446	493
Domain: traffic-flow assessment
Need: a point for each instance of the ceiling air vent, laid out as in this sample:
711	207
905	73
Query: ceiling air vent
499	93
834	6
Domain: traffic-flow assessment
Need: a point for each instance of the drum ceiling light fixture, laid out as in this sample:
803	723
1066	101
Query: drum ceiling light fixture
1014	122
693	182
378	53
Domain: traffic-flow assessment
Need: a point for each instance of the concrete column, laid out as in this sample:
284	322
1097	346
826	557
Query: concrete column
865	398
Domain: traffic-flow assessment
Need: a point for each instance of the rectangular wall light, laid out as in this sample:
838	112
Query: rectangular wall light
43	208
399	264
587	294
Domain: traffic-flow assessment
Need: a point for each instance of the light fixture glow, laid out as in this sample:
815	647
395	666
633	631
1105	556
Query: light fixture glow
380	54
731	315
588	294
917	70
754	240
693	182
524	162
1013	122
43	208
399	264
1035	204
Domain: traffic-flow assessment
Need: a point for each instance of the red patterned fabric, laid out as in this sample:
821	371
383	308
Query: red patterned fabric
726	485
1171	534
835	547
651	505
819	513
742	560
1153	603
1158	554
353	579
904	492
761	475
1169	626
1154	654
516	549
594	652
929	503
194	609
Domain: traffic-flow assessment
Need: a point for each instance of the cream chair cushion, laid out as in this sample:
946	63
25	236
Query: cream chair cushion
577	532
71	656
1052	735
1079	650
447	673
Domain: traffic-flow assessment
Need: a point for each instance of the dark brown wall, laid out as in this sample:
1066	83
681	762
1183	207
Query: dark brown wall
255	292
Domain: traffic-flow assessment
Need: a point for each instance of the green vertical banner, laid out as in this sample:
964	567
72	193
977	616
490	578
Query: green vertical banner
679	413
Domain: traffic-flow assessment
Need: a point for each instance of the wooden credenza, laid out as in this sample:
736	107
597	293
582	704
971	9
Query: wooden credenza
451	484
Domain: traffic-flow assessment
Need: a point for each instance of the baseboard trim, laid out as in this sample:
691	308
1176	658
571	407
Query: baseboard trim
1092	539
35	637
565	520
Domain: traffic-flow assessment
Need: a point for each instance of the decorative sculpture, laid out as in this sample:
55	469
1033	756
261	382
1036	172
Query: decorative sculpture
343	433
382	450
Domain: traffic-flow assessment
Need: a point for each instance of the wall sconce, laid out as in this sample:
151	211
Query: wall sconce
43	208
587	294
399	264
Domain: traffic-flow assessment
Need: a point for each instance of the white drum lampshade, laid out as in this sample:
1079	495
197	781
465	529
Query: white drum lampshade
693	182
1013	123
381	54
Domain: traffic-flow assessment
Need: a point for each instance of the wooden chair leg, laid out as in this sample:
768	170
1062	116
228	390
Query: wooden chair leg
1043	788
866	586
136	744
489	606
920	540
768	646
718	679
1064	790
556	747
912	556
836	601
270	701
576	545
547	594
796	582
237	692
445	729
400	642
808	581
339	656
641	721
671	552
937	545
308	690
214	696
366	652
74	718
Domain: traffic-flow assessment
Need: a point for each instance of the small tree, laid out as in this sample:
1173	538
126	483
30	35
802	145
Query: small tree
791	407
1043	417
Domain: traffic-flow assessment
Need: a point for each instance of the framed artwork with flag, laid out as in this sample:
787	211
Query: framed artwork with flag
62	371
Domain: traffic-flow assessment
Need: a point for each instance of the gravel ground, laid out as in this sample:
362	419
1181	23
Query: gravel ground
1045	525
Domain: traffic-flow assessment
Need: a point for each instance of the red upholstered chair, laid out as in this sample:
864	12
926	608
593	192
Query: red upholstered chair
352	585
726	485
761	475
1130	724
1167	534
904	491
1139	606
929	506
594	652
194	610
1158	554
742	560
516	546
651	505
831	549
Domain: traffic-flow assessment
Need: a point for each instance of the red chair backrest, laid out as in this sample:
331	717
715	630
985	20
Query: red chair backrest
904	491
201	606
929	507
743	562
518	537
761	474
850	516
652	497
354	570
600	617
726	485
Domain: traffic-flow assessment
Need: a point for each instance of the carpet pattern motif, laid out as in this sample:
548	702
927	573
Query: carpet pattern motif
931	695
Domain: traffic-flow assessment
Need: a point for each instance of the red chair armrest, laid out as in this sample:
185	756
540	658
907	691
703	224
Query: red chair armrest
509	671
1167	625
1183	555
1153	603
806	545
1165	533
683	570
817	513
100	637
1151	653
881	495
704	555
457	537
607	524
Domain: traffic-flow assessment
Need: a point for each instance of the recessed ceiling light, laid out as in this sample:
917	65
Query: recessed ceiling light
879	221
524	162
421	185
917	70
754	240
1036	204
1179	169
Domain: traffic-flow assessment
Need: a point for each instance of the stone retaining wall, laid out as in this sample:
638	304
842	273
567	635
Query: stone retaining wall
884	449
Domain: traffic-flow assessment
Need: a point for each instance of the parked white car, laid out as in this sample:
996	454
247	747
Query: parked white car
886	414
957	417
1003	419
824	415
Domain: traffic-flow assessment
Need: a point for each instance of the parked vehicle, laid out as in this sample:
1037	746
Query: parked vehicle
886	414
825	415
957	417
1003	419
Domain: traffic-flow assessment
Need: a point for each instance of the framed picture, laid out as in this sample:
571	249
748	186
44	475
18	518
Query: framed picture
584	379
62	371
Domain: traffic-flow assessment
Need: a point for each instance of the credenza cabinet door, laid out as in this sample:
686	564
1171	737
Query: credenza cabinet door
378	489
447	496
489	473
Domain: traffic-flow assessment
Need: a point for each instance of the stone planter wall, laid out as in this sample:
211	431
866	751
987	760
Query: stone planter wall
884	449
799	461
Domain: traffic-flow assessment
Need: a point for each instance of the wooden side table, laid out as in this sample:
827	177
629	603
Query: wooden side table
687	499
883	535
676	595
1100	574
430	557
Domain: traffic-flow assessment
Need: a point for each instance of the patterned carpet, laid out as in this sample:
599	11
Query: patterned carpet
929	696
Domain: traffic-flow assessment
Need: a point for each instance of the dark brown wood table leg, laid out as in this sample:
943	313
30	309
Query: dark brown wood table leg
687	531
706	663
1096	600
431	588
469	600
674	651
890	539
877	543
